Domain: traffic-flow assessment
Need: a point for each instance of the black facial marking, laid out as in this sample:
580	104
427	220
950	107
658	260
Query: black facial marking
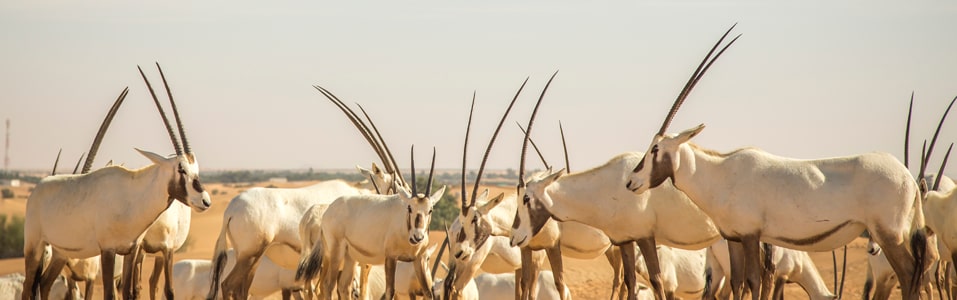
418	220
177	189
661	170
198	187
482	231
539	216
517	222
461	237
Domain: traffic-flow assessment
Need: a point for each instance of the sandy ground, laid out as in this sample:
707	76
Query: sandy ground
588	279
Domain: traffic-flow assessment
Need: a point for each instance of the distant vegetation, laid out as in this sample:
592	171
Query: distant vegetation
17	175
11	236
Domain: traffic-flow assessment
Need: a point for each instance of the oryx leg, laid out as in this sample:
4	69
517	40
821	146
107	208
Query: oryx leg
346	277
901	261
88	293
364	281
158	264
33	261
524	283
234	285
778	293
329	270
613	254
738	269
650	252
754	267
767	270
50	275
167	273
107	260
555	260
390	278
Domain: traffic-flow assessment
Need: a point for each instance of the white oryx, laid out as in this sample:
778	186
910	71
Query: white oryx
161	240
810	205
268	221
78	215
191	279
790	266
11	287
596	197
347	240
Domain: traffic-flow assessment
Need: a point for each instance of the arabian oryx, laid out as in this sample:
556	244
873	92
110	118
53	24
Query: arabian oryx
107	211
470	237
348	240
267	221
191	279
937	211
593	197
810	205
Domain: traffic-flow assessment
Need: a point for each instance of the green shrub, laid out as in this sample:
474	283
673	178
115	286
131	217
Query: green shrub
11	236
7	193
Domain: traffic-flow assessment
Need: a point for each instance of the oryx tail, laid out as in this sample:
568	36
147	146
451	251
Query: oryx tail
309	265
219	261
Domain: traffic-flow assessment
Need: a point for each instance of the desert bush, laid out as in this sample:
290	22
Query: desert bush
7	193
11	236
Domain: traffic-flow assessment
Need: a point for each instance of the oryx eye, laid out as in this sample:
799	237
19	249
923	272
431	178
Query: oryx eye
181	170
410	208
654	149
525	199
430	211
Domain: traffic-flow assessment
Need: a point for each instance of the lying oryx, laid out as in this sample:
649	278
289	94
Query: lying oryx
106	211
811	205
348	240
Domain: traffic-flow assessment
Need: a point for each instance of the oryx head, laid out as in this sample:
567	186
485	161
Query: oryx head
383	183
473	226
522	233
661	159
419	205
531	215
183	168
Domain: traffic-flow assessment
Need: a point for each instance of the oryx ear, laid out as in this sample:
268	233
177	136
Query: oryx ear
155	158
436	196
406	194
365	172
491	203
686	135
554	176
375	169
923	187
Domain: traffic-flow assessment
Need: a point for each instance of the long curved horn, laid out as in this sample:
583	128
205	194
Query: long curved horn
491	142
360	125
384	146
169	129
106	125
910	110
77	166
933	141
428	184
698	73
923	153
412	160
940	172
534	146
568	167
468	128
179	122
56	162
528	132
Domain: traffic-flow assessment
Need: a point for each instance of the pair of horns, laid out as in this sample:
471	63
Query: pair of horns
698	73
539	151
179	124
528	132
428	186
926	151
478	178
375	141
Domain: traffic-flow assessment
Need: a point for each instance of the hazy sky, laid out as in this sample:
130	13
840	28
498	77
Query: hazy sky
807	80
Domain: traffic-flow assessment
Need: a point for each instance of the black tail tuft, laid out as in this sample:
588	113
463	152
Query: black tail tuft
708	279
219	264
768	258
309	268
918	245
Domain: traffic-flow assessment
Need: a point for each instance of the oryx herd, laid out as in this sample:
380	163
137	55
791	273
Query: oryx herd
676	221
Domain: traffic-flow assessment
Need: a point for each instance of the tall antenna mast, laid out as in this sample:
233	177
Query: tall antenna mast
6	149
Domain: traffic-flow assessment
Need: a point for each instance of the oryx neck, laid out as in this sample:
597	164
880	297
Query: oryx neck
572	196
698	169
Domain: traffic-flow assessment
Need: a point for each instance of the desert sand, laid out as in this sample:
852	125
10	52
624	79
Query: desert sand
588	279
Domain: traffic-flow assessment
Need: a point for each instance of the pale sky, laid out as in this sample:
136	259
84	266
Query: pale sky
806	80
